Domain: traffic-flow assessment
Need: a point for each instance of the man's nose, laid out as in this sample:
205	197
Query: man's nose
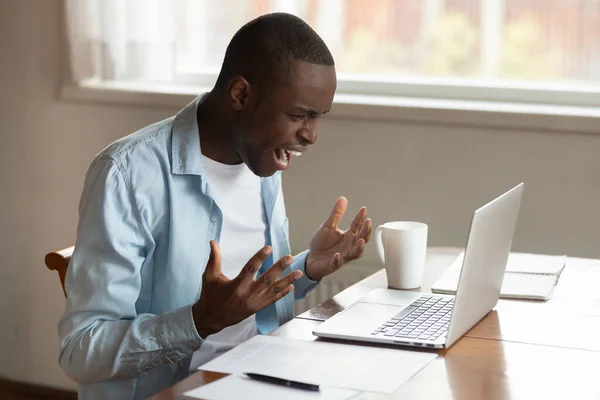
308	133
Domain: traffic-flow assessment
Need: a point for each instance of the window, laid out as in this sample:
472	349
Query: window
541	51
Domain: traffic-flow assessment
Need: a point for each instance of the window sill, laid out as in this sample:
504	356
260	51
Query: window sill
364	107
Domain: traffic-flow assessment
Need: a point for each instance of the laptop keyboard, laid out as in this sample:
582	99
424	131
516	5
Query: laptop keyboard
426	318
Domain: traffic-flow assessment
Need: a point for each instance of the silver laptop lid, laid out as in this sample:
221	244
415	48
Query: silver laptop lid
486	254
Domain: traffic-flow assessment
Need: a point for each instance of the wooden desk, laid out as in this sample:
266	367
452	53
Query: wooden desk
576	303
521	350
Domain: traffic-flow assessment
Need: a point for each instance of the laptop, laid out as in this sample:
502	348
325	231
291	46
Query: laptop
407	318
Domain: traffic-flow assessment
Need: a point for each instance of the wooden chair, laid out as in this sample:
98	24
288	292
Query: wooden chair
59	261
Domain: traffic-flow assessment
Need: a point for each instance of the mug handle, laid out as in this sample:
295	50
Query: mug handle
379	242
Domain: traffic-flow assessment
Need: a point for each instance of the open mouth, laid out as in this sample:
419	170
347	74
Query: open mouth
283	157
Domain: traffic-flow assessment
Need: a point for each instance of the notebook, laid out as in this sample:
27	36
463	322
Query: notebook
527	276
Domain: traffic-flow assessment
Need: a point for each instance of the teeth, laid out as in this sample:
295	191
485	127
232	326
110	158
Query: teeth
284	157
294	153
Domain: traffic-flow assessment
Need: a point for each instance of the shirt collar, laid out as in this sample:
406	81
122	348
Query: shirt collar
186	158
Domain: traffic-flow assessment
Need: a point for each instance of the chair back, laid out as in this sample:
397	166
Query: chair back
59	261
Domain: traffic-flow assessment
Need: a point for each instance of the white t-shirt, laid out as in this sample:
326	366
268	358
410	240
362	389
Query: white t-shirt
237	192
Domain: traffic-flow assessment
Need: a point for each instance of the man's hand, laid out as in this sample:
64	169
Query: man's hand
225	302
331	248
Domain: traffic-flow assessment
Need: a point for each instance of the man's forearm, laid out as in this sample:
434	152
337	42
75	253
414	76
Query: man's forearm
127	348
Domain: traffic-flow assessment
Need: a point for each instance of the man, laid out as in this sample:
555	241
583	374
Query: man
182	244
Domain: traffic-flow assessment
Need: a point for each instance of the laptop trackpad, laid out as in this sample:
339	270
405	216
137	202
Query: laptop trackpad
360	319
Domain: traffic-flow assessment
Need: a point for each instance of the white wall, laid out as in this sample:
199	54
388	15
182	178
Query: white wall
431	173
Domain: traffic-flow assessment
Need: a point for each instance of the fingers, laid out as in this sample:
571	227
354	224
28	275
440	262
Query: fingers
281	284
249	270
213	267
335	262
365	231
271	275
272	296
269	288
357	250
339	209
359	220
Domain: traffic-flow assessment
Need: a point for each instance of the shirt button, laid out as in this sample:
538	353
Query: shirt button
213	218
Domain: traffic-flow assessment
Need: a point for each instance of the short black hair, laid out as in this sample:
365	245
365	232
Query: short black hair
265	46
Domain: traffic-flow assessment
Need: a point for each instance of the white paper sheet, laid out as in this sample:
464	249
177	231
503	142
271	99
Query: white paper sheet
339	365
235	387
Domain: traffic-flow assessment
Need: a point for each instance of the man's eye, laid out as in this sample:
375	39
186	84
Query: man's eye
297	117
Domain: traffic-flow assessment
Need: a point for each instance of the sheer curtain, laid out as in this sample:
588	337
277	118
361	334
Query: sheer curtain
421	48
122	40
165	41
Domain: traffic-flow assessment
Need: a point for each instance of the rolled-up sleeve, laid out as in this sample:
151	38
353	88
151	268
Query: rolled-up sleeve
102	336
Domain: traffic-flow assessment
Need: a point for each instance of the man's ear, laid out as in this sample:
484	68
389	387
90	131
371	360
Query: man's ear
239	92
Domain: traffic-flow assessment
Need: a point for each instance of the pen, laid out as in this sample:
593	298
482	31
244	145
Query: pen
283	382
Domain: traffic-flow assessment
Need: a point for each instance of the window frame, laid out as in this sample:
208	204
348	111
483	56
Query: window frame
504	91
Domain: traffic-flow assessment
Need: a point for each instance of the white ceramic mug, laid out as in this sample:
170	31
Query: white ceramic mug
402	246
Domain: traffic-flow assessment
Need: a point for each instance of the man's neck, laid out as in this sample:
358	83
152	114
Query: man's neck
214	129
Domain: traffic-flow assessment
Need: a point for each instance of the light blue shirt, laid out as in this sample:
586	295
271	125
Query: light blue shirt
145	221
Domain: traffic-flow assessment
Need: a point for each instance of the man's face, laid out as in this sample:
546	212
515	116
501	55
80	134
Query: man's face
281	121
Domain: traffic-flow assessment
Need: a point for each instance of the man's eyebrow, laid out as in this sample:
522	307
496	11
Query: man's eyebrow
311	112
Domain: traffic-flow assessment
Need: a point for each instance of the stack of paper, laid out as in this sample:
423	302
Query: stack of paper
331	365
528	276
